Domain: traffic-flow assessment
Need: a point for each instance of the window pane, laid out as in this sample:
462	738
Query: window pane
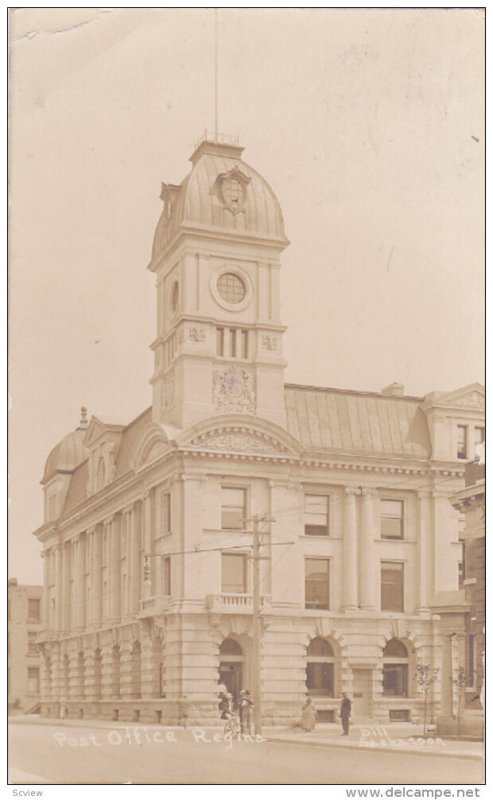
316	583
33	610
319	647
316	515
392	584
165	512
233	573
232	508
391	519
244	344
461	441
395	680
320	679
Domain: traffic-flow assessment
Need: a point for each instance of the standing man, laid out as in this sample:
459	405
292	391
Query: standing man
345	714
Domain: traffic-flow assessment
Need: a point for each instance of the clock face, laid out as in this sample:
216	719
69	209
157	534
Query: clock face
231	288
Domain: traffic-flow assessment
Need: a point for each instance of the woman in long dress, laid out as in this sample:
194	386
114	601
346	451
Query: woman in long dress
308	716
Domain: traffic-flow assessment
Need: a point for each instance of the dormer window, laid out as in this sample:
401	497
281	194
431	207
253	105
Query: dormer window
100	479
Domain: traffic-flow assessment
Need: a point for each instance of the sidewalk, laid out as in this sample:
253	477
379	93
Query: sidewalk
406	738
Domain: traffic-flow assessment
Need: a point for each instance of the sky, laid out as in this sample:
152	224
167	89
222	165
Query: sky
367	123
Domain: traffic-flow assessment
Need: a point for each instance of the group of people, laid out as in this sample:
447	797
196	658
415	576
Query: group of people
309	715
244	708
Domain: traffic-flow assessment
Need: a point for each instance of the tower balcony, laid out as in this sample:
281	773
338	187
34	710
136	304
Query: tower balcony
233	603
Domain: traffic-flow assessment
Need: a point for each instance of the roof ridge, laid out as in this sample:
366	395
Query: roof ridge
365	393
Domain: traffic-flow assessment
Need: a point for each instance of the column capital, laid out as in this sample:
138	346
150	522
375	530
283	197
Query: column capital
369	493
352	491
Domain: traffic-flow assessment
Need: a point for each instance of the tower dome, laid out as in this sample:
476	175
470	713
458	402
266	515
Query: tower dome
220	194
68	453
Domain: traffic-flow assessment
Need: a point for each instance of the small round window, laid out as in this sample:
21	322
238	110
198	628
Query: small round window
231	288
175	294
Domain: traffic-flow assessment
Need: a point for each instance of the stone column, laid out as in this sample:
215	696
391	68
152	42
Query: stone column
89	668
148	586
134	535
107	667
66	594
447	705
126	671
350	553
424	553
366	554
59	587
80	582
45	618
96	595
56	673
114	569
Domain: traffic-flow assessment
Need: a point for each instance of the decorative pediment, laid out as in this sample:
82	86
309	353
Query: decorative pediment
238	439
239	434
468	397
153	444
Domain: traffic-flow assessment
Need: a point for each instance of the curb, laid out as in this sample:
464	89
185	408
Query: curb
400	750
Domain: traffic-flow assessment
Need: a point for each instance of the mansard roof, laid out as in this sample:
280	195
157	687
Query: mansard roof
357	422
200	203
319	420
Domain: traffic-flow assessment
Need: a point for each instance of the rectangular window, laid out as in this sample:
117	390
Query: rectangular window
220	341
33	680
244	344
32	647
316	515
470	661
233	503
461	441
317	583
391	519
392	586
166	575
462	566
234	573
166	512
33	610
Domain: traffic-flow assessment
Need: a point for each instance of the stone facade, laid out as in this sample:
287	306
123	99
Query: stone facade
148	570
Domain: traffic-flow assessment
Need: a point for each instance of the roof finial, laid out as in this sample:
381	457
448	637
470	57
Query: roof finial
83	417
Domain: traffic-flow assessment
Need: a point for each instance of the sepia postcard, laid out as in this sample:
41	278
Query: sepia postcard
247	404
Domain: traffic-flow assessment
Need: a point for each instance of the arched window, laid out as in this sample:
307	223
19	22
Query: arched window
320	663
231	661
395	669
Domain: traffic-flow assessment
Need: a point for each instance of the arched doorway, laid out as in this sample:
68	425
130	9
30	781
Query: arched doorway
320	665
231	665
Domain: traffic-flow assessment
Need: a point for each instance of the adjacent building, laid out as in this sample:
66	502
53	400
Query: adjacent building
470	502
147	538
23	656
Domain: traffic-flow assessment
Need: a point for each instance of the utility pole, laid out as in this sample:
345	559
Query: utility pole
257	628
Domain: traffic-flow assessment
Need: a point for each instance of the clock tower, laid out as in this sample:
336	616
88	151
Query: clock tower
216	257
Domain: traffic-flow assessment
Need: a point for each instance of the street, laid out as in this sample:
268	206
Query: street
153	755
